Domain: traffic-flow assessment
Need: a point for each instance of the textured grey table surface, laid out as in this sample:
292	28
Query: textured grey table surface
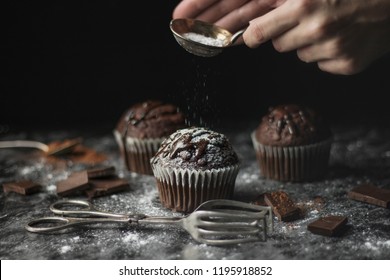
360	153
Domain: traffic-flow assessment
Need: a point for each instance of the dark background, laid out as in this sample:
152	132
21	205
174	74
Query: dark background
85	62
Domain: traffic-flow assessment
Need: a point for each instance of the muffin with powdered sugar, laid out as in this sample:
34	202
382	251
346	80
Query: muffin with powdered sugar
194	165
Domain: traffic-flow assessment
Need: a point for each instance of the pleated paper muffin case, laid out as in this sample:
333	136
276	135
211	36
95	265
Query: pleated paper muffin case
183	190
302	163
138	152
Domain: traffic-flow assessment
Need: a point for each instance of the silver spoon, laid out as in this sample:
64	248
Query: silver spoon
201	38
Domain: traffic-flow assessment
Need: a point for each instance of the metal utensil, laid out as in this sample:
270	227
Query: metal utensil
215	222
49	149
218	37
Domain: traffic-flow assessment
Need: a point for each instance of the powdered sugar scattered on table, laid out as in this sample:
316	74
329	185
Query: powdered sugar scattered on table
358	155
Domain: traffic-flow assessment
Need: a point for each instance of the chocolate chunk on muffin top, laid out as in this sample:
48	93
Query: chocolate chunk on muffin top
292	125
196	148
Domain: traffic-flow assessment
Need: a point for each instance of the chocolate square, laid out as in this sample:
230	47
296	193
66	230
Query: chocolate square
371	194
101	187
101	172
328	226
282	206
25	187
76	182
260	200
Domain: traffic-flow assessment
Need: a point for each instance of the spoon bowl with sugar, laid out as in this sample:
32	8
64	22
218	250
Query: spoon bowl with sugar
201	38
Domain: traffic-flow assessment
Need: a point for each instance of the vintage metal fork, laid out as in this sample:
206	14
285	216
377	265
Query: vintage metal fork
214	222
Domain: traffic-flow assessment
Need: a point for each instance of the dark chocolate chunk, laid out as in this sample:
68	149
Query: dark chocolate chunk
101	172
328	226
282	206
371	194
84	154
259	200
101	187
58	148
23	187
76	182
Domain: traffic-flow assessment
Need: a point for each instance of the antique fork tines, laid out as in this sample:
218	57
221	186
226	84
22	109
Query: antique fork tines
224	222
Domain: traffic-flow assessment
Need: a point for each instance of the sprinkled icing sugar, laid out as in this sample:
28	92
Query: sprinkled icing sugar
196	148
65	249
215	42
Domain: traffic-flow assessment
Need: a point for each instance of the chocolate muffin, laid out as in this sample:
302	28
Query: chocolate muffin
292	143
142	128
192	166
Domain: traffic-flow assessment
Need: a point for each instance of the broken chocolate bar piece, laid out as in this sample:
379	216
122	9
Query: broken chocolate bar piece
84	154
101	187
282	206
259	200
58	148
101	172
328	226
371	194
22	187
76	182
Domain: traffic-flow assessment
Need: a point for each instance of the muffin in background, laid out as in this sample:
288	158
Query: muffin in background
292	143
192	166
142	128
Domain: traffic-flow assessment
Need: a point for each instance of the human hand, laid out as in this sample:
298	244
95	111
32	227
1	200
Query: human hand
232	15
342	37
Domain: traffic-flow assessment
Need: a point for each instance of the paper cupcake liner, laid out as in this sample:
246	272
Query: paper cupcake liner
137	153
293	164
184	190
119	141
